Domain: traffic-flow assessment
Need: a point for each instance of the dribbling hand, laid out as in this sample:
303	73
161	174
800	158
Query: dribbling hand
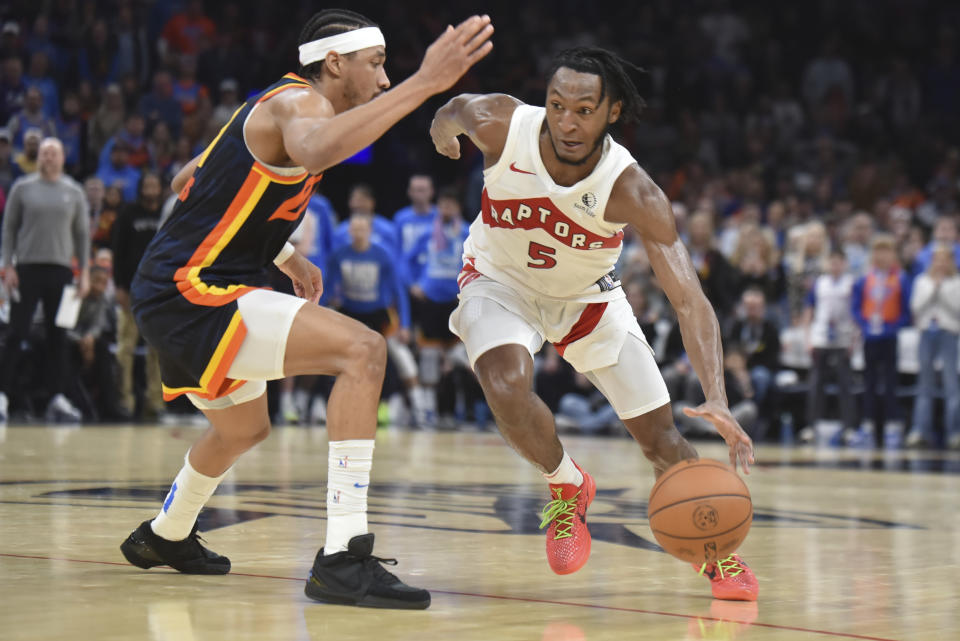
455	51
741	447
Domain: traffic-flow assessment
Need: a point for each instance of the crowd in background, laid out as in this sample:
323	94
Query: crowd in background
810	151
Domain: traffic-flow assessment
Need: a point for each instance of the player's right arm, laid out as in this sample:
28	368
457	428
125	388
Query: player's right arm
485	119
317	139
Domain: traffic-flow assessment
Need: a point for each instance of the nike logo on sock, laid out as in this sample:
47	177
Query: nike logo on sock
358	485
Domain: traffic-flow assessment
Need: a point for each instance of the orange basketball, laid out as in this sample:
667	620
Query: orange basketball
700	510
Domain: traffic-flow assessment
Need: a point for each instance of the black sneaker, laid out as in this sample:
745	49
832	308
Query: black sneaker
355	577
145	549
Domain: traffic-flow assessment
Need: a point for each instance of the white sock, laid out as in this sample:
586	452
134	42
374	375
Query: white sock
187	496
348	476
566	473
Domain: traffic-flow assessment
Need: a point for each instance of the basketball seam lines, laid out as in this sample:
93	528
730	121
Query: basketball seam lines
706	462
697	498
706	536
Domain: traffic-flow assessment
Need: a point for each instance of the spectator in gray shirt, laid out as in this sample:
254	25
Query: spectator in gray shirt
45	226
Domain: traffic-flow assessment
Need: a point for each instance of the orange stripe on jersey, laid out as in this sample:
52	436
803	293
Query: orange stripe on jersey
188	277
214	382
274	92
292	207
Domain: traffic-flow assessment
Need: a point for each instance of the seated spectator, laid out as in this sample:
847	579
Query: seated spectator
131	134
91	339
191	95
102	225
759	340
13	89
758	263
188	31
9	169
107	120
227	105
935	304
26	160
93	189
39	77
31	116
71	126
161	148
160	104
831	333
716	275
362	201
944	233
119	173
740	398
881	306
806	258
586	410
97	59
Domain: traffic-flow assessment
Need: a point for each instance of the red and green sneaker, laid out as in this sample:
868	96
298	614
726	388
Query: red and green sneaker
731	579
568	539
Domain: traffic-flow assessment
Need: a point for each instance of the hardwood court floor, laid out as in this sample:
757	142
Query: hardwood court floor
846	545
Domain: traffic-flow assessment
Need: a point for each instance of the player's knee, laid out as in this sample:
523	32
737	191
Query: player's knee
369	353
503	387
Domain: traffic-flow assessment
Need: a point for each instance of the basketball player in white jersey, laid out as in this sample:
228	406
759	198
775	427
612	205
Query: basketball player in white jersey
538	267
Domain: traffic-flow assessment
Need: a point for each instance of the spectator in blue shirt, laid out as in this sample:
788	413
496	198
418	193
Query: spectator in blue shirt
39	78
416	218
31	116
434	292
160	104
362	201
364	281
119	173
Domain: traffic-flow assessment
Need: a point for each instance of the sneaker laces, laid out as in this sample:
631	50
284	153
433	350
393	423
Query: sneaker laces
726	567
562	510
374	563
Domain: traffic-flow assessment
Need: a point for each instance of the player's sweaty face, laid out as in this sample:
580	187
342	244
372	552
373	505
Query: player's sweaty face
365	75
577	119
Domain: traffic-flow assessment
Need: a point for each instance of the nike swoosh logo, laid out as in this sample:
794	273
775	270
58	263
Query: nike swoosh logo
358	485
513	167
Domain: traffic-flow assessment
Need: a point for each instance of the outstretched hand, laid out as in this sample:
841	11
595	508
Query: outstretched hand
455	51
741	447
307	277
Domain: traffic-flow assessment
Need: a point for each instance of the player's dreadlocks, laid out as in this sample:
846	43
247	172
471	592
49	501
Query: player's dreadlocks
614	76
329	22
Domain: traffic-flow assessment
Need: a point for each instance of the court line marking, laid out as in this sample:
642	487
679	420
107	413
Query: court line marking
773	626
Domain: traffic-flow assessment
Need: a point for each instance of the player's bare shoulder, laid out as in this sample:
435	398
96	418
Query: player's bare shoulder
638	201
275	119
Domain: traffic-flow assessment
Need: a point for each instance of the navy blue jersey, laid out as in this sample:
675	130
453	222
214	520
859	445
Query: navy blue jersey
233	218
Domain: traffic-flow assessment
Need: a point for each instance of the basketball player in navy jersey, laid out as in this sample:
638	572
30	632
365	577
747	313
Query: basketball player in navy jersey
558	191
199	300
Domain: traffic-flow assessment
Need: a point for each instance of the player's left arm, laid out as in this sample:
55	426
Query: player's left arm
636	200
180	180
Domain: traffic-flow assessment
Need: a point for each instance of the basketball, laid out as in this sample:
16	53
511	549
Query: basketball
700	510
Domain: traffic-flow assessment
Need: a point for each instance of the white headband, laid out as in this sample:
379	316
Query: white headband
346	42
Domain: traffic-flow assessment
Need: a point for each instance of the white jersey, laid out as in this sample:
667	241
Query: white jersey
536	236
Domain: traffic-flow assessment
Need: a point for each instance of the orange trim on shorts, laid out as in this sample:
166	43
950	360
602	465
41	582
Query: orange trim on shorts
214	383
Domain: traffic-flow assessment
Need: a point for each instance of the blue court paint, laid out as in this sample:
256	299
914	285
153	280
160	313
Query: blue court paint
173	491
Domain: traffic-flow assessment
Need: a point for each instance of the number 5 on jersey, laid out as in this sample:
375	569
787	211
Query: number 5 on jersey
543	256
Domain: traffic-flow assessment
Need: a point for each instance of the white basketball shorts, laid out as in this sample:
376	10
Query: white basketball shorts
601	340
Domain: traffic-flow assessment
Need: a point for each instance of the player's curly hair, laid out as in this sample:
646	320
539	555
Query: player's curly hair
329	22
614	74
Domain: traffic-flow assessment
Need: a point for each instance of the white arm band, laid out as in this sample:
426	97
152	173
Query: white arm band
284	254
